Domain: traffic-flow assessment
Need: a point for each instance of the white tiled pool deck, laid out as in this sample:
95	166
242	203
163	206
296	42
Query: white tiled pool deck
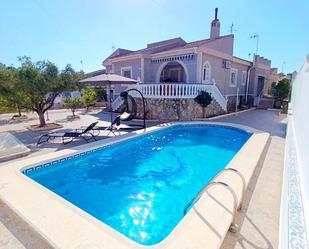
259	220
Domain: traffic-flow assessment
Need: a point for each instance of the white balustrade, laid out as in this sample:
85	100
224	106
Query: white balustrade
178	90
217	95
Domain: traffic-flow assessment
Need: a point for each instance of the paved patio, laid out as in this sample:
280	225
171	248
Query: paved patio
30	138
259	220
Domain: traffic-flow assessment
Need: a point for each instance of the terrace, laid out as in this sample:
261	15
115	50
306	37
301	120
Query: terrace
180	91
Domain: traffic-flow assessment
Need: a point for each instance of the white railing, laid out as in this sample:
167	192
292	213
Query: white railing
178	90
170	90
217	95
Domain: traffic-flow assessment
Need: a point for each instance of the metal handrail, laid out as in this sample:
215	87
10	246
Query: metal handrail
243	183
233	227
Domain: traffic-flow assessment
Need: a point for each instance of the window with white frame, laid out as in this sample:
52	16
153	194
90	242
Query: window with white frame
244	78
126	72
206	72
233	77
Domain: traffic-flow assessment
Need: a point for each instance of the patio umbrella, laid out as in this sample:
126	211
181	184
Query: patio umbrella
108	79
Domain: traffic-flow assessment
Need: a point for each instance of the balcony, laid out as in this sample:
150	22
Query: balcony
178	90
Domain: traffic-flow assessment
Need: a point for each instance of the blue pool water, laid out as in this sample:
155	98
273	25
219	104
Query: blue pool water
141	186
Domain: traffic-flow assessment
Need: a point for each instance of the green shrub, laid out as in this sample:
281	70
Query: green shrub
6	106
204	98
101	94
282	89
89	97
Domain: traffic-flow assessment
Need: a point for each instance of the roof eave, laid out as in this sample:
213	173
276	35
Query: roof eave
124	57
174	51
222	55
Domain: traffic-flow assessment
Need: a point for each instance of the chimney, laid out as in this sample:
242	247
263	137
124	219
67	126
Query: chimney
215	26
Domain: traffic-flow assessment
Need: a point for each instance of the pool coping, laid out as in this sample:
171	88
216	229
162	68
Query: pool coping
19	149
37	205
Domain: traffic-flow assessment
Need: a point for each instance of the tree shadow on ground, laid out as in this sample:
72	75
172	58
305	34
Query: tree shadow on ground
30	139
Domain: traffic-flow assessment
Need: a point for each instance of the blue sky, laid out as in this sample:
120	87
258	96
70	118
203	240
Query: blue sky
73	30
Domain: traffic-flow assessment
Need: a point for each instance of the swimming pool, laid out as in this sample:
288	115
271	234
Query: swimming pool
141	186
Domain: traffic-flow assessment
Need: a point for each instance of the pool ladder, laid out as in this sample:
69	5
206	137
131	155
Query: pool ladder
236	205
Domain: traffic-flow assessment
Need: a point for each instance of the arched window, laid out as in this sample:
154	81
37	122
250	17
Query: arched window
206	72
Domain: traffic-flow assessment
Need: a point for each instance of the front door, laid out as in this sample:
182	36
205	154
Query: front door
260	86
174	75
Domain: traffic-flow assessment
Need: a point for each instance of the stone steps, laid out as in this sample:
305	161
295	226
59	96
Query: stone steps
218	105
117	104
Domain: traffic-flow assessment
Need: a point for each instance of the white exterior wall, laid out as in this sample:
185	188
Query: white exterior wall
224	45
61	97
299	104
222	75
294	225
134	64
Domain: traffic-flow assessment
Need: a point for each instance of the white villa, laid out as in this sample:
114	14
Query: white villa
176	69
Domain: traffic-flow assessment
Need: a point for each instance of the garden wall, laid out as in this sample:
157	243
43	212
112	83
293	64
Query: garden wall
177	109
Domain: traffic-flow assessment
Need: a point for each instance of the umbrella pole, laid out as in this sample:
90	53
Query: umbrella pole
110	102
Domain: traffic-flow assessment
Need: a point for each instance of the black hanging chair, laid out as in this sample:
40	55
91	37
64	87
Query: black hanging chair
128	115
130	112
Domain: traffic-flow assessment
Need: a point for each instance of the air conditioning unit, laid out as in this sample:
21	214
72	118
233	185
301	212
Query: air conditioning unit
226	64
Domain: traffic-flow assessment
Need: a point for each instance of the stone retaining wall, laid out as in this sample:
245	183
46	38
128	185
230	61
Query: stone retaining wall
231	102
177	109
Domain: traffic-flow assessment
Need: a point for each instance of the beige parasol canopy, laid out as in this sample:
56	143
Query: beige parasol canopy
107	79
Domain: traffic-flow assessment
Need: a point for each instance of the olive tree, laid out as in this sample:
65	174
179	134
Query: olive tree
42	82
11	96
